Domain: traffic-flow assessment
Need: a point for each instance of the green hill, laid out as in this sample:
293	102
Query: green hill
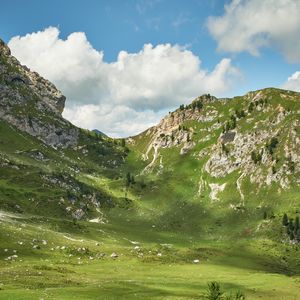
200	197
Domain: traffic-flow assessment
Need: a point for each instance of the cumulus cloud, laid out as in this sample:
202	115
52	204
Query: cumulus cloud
249	25
73	65
125	96
116	121
293	82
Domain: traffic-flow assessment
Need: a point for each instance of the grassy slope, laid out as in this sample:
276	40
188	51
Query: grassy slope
164	215
54	274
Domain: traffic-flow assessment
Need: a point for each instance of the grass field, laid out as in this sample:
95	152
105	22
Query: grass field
169	240
74	262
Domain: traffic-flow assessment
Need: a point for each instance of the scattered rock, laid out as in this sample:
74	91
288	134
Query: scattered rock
114	255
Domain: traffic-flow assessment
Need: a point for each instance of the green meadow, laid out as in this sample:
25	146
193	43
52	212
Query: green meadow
151	237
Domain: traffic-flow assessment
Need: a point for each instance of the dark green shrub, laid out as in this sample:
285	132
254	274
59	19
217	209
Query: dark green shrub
214	291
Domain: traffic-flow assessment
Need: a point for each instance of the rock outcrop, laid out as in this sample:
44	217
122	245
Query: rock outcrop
32	103
256	137
170	132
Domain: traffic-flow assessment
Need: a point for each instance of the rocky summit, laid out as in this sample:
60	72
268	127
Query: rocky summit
212	191
27	100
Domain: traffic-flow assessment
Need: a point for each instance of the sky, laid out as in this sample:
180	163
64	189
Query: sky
124	64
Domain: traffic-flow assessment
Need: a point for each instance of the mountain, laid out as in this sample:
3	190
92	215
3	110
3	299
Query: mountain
252	138
39	148
211	192
227	157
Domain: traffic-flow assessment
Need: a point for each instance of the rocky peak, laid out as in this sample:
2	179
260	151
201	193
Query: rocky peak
13	73
170	132
32	103
4	49
255	136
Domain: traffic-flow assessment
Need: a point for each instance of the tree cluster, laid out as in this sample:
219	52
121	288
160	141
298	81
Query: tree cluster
182	127
196	105
240	113
272	144
231	124
256	103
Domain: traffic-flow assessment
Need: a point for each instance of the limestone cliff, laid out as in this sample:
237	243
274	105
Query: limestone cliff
255	137
32	103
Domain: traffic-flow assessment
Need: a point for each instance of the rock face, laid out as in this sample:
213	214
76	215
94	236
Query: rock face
254	138
170	132
32	103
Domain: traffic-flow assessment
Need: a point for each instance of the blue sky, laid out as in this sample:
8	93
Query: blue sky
114	26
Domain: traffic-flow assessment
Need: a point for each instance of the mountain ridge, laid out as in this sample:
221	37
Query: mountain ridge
212	189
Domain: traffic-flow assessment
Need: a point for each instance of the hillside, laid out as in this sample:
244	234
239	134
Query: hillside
239	156
43	157
156	216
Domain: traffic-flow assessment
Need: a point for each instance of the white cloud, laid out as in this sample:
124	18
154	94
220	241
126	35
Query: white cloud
125	96
73	65
249	25
113	120
293	82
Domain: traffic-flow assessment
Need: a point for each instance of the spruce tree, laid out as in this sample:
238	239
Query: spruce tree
128	179
285	220
290	229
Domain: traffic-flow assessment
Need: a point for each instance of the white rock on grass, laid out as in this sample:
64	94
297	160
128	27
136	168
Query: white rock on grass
114	255
13	257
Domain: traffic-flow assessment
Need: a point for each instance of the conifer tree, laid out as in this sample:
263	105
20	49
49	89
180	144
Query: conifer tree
285	220
128	179
290	229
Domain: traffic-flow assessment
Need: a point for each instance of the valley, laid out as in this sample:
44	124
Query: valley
198	198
